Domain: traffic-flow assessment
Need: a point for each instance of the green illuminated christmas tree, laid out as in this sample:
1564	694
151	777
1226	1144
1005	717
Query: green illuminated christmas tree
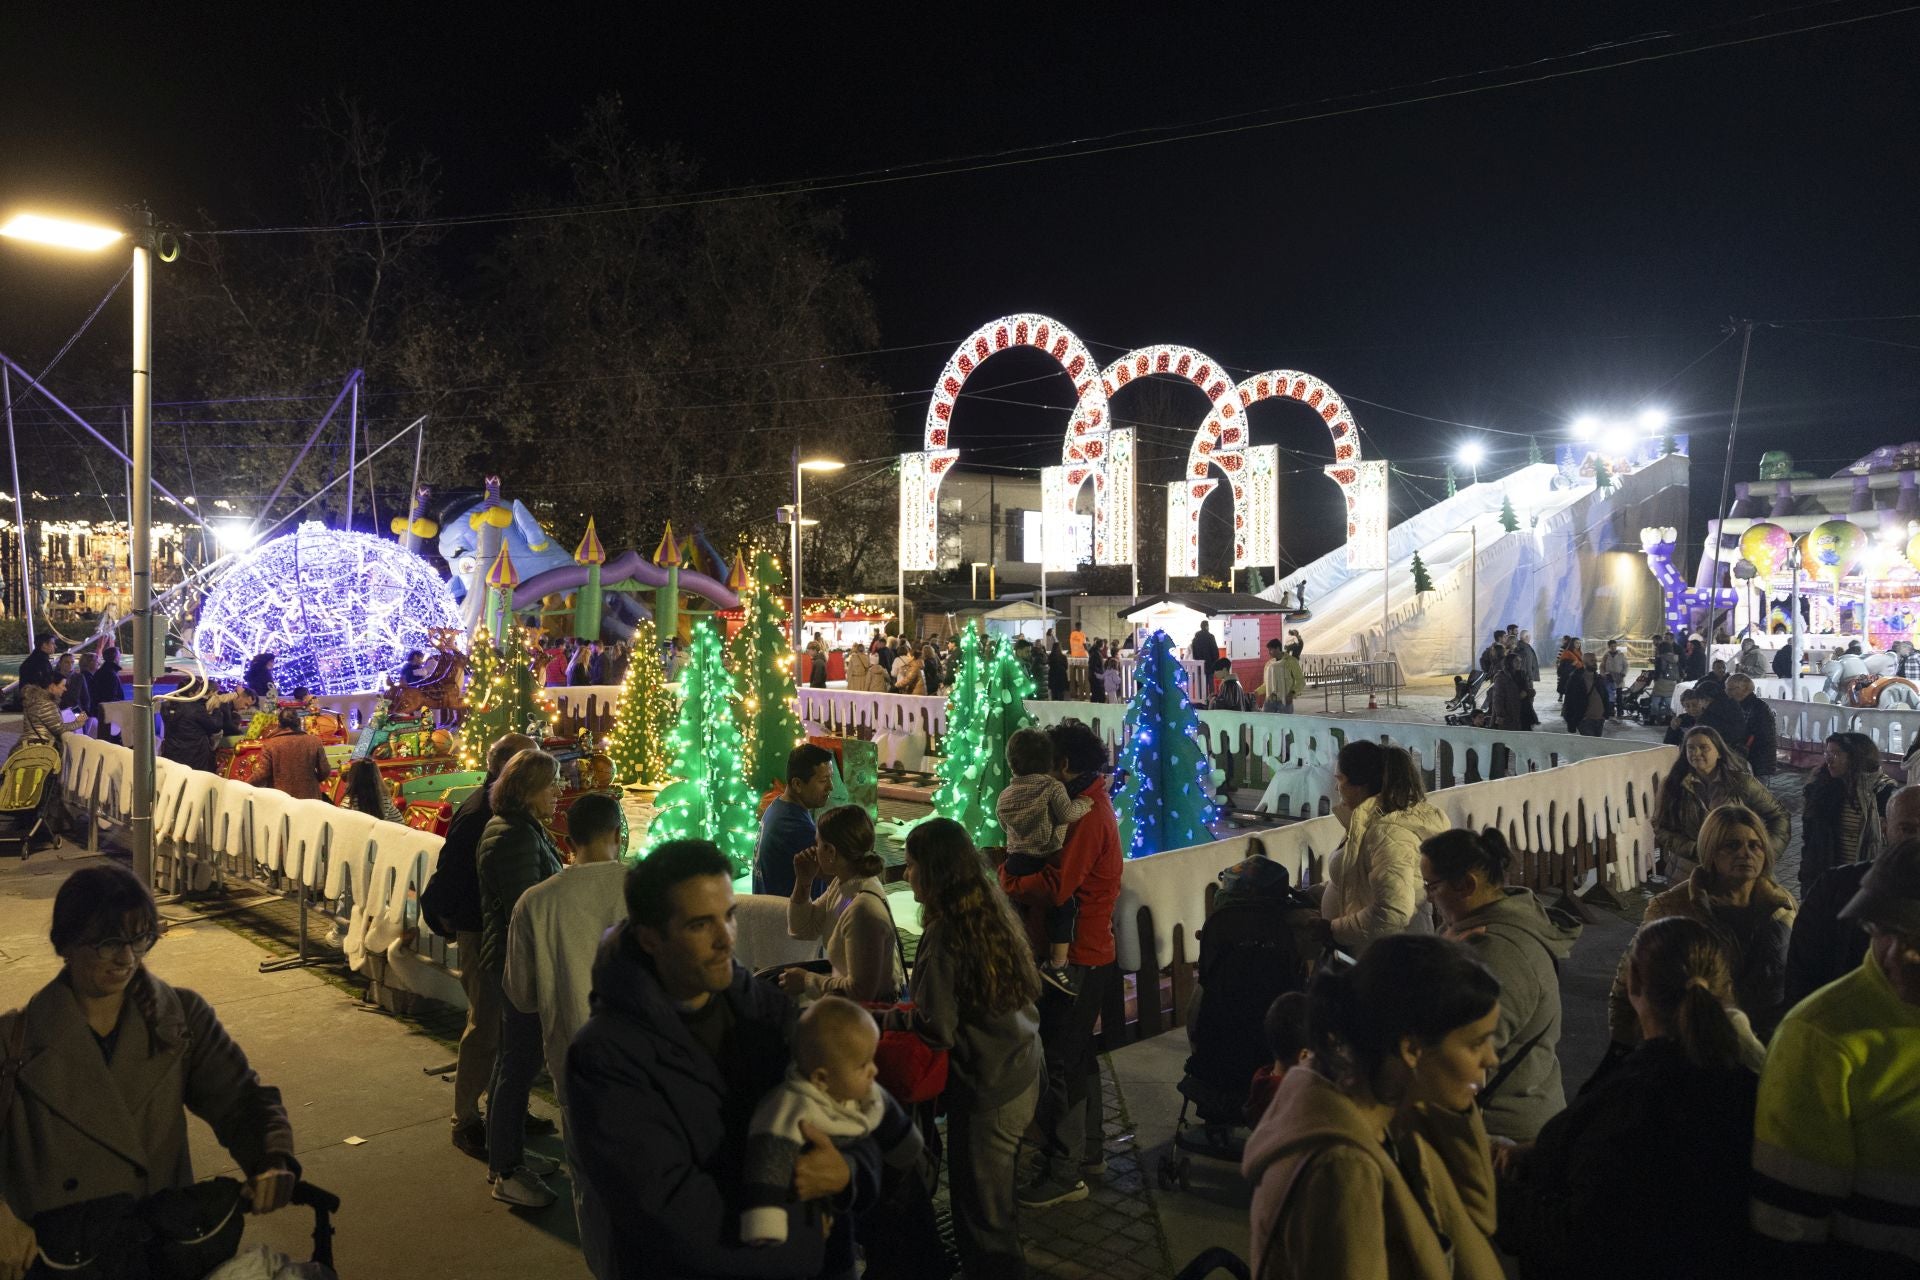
762	661
505	694
709	798
1533	452
645	716
984	709
1453	486
1422	578
1167	800
1255	582
1508	520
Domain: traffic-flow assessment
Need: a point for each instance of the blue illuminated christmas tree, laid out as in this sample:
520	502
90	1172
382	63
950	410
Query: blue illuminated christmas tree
1167	800
983	710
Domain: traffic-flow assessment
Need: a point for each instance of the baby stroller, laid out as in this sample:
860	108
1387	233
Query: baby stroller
1468	703
192	1231
1253	948
29	796
1637	698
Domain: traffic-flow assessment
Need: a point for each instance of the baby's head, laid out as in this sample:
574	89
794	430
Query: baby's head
1030	751
833	1047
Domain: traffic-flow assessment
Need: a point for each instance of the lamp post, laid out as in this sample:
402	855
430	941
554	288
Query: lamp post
802	465
63	234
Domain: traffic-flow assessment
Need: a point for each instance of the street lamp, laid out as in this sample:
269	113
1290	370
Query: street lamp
801	465
64	234
1653	421
1472	454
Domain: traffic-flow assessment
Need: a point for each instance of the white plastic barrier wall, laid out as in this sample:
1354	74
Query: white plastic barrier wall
1805	726
1558	816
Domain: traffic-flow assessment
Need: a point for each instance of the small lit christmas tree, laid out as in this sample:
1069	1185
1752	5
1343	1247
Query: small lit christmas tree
645	715
1422	579
709	798
505	694
762	661
1533	452
987	699
1167	800
1508	520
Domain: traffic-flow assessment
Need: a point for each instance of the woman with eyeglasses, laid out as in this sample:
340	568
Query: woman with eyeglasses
112	1059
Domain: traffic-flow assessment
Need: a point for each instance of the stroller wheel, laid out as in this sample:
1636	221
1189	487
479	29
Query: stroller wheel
1172	1172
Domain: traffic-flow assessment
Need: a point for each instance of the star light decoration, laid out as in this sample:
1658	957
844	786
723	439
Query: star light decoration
340	610
1167	802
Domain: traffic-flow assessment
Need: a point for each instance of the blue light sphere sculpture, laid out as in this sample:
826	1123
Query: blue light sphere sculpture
339	610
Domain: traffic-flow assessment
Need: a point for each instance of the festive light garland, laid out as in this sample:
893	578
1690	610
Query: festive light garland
340	610
1167	802
644	716
984	708
506	693
709	798
762	661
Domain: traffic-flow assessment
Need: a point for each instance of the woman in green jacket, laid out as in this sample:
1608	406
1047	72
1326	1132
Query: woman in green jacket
1708	775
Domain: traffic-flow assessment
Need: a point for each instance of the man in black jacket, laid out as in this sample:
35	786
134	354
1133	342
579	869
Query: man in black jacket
662	1081
451	905
1823	947
1759	737
1205	650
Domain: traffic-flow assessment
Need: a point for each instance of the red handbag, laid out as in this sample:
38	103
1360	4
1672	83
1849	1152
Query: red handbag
909	1068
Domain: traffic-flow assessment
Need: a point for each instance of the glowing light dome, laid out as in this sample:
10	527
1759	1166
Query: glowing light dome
341	611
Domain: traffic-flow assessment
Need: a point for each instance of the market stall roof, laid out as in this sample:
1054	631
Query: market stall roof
1212	604
1020	611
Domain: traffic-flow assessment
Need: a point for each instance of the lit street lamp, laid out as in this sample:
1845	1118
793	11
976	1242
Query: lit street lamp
1471	455
798	518
63	234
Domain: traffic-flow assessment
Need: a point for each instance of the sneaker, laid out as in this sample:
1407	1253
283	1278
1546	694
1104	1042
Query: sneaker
1060	978
1094	1168
521	1189
538	1165
471	1138
1047	1190
539	1126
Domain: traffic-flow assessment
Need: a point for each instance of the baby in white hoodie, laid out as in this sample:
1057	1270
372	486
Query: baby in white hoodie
830	1085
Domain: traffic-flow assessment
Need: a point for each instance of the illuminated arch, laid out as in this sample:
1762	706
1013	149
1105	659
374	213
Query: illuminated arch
1085	451
1253	473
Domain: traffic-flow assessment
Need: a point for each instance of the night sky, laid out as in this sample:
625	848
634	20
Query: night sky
1505	257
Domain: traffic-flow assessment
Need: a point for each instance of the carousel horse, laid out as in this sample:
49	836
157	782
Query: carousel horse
442	688
1852	682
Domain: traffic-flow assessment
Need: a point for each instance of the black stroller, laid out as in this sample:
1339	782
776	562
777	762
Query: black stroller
1253	948
1636	699
1469	702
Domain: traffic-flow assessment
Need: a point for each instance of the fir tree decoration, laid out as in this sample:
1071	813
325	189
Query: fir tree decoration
1669	445
1533	452
762	661
1167	800
1508	520
505	694
645	716
709	798
1453	486
983	710
1422	579
1602	477
1256	583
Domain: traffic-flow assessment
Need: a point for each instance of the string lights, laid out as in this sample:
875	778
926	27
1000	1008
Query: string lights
984	708
1167	800
505	694
709	798
763	663
645	715
340	610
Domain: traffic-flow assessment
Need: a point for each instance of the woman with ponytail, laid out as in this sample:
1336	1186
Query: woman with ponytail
1647	1172
1373	883
1372	1161
1522	942
112	1059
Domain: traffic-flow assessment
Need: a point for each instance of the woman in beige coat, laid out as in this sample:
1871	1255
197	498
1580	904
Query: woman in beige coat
1371	1163
852	919
1373	884
111	1060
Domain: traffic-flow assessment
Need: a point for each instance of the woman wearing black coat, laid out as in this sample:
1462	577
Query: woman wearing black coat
193	734
1844	804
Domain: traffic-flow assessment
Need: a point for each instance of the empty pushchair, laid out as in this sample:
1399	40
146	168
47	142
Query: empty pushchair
30	796
1253	948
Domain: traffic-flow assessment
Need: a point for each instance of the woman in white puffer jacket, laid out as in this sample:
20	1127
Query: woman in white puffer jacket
1373	883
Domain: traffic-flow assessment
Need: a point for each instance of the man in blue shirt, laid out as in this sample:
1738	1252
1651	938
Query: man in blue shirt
787	826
